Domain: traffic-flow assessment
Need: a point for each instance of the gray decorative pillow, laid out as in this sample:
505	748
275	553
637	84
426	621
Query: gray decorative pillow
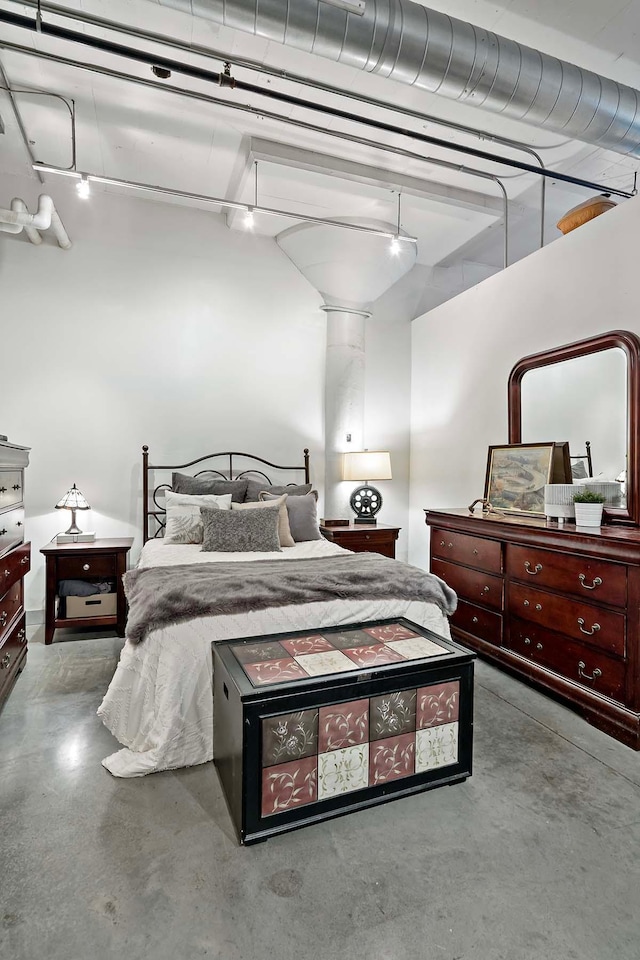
284	533
196	486
245	531
255	488
183	519
303	516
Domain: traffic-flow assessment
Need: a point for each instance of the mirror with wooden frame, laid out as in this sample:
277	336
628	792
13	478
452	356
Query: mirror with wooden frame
587	393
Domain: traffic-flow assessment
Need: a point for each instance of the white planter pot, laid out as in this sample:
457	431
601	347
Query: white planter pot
588	514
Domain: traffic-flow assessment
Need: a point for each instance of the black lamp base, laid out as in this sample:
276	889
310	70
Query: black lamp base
365	502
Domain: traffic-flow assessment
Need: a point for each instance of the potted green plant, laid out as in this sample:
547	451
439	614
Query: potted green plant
588	506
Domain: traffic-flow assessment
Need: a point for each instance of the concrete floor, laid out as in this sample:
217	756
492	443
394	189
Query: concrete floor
534	857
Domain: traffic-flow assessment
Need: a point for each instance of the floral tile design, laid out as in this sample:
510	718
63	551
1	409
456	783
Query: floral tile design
342	771
389	632
415	647
314	643
254	652
273	671
343	725
290	736
289	785
391	759
392	714
373	656
351	638
436	747
318	664
438	704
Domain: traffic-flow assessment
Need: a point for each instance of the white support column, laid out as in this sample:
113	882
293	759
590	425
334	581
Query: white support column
344	401
350	271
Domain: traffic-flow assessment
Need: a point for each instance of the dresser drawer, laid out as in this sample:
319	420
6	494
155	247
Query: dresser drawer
599	581
86	568
11	484
12	652
10	606
472	585
472	551
480	623
14	566
580	621
572	660
11	529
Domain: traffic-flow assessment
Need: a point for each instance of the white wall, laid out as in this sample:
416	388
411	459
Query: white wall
387	403
160	326
462	352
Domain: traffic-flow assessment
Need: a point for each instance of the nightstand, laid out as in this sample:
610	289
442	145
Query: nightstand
363	537
98	560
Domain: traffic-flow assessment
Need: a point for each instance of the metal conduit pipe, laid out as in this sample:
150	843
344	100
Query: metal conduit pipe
219	101
291	77
224	80
45	217
255	111
415	45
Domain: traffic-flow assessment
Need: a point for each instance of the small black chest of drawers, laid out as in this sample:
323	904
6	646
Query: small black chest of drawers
15	561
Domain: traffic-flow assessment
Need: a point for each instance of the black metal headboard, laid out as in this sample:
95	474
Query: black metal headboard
224	468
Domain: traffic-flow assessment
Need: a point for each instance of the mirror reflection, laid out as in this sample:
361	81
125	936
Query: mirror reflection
584	398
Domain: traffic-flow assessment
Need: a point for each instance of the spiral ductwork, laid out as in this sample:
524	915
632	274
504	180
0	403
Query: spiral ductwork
414	45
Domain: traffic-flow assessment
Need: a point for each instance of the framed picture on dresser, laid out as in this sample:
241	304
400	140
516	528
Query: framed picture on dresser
517	474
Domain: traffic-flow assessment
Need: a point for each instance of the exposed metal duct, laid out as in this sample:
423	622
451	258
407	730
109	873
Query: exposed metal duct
433	51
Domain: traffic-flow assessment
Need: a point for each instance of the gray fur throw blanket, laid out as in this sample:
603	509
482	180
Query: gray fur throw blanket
161	596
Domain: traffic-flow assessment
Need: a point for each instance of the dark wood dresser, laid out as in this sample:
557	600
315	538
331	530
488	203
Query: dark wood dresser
363	537
554	605
15	556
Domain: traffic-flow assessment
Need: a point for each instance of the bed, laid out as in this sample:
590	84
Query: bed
159	704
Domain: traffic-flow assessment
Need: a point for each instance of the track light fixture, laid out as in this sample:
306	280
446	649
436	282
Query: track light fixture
83	188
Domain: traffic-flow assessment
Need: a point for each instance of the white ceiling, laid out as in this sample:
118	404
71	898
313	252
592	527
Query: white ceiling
152	135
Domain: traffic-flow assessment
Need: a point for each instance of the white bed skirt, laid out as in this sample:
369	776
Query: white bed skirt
159	704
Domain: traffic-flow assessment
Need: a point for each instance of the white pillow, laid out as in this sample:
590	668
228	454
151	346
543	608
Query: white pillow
184	522
284	533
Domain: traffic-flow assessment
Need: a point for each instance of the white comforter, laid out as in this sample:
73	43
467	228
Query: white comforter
159	703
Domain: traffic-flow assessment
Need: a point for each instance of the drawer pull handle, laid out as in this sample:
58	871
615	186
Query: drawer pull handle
474	619
527	641
6	660
475	553
536	570
486	589
2	532
525	603
442	543
24	561
594	628
3	489
596	582
16	486
538	646
585	676
19	523
538	606
7	573
4	616
86	566
21	636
